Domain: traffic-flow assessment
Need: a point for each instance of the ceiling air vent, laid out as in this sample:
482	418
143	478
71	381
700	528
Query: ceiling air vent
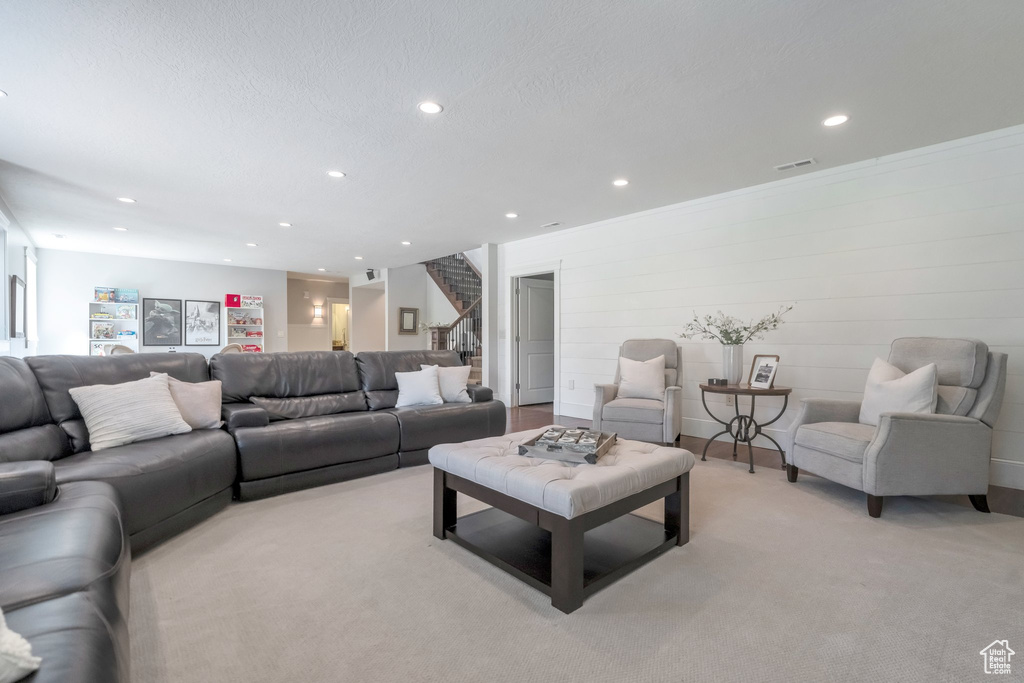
794	164
551	225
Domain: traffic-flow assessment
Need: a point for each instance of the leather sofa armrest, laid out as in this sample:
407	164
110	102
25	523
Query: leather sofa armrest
236	415
917	454
26	485
479	394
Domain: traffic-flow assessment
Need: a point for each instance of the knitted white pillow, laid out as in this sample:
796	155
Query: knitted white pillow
117	414
642	379
16	660
890	390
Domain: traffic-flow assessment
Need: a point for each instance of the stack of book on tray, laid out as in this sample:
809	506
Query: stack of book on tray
568	445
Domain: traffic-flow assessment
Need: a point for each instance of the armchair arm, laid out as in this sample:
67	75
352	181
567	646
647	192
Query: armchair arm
237	415
673	422
927	454
26	485
823	410
602	394
479	394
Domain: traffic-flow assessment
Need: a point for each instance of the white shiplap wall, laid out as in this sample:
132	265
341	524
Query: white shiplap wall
923	243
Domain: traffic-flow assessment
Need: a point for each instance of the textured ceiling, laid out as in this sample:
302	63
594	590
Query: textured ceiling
221	118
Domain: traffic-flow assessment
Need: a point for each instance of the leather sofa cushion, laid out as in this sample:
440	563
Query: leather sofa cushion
284	375
426	426
46	442
159	478
311	406
847	440
312	442
74	639
69	545
634	410
26	485
57	374
29	410
377	371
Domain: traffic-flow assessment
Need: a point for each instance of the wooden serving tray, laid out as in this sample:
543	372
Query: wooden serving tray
559	443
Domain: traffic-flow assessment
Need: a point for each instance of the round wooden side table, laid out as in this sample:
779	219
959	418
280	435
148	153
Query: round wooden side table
744	428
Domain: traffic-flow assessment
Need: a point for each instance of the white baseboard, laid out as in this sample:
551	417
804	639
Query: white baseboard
1007	473
578	410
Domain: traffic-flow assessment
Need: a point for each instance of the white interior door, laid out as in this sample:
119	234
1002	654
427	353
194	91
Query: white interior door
536	341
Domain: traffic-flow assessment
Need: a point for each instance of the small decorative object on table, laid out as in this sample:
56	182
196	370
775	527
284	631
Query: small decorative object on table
575	446
732	333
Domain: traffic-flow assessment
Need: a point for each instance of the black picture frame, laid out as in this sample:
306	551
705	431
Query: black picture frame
408	321
202	322
161	322
18	306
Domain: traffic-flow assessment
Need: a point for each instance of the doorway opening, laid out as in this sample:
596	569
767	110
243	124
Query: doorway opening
533	348
337	311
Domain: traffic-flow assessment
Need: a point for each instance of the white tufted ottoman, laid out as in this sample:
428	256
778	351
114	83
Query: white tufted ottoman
564	529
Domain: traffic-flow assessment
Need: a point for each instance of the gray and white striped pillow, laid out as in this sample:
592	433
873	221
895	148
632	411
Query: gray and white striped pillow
117	414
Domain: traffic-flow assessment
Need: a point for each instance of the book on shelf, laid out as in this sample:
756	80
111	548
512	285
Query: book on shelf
126	312
126	296
103	294
251	348
103	330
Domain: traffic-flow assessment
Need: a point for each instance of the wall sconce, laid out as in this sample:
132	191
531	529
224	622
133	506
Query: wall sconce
318	311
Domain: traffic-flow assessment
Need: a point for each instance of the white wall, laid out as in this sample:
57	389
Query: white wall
407	287
66	281
368	312
18	242
928	242
306	333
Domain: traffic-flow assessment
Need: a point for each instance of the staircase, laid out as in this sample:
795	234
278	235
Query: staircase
461	283
475	375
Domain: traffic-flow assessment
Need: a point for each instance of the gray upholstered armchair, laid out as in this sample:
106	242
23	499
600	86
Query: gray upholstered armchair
910	454
640	418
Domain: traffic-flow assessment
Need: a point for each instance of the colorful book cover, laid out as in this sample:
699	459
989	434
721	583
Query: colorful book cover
126	296
232	300
103	294
251	348
102	330
126	312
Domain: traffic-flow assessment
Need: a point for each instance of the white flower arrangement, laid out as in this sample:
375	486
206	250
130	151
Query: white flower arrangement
731	331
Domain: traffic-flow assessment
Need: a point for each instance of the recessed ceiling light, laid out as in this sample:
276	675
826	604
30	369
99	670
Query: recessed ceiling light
405	244
322	270
511	215
121	229
336	174
431	108
227	260
251	244
837	120
359	258
59	236
126	200
621	182
285	225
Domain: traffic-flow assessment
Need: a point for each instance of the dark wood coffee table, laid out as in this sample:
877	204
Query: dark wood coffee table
744	428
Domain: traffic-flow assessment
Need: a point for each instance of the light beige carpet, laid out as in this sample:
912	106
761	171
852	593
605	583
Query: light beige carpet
780	582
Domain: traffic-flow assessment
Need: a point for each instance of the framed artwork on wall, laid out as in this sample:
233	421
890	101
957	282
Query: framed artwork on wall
17	307
202	323
762	372
408	320
161	322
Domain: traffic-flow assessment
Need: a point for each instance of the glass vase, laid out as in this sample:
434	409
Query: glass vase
732	362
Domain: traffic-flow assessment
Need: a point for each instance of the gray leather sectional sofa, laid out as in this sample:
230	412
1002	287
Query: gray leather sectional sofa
70	518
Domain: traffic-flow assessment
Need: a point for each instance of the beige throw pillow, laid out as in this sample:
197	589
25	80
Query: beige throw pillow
890	390
452	381
642	379
118	414
198	402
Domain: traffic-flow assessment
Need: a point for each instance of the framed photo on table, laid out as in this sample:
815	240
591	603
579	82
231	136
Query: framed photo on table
762	372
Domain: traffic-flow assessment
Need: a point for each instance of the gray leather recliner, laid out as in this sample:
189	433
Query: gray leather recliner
639	418
910	454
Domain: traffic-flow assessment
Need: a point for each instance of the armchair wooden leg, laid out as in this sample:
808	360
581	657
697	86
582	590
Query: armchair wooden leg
980	503
792	471
875	505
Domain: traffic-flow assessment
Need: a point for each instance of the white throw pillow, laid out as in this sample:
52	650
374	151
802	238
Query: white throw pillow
418	388
642	379
16	660
198	402
453	382
890	390
116	414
